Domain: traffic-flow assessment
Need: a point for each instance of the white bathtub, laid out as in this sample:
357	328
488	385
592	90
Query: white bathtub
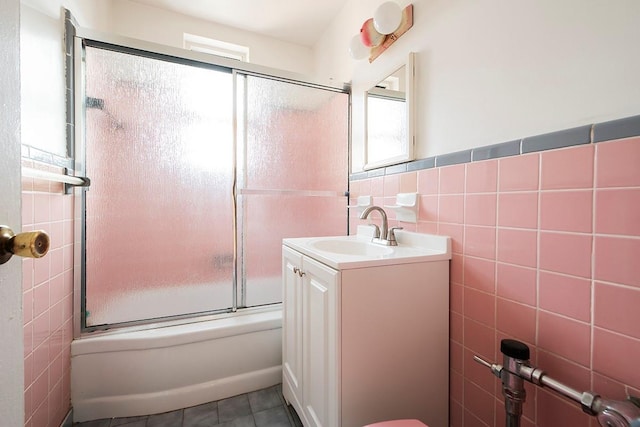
124	374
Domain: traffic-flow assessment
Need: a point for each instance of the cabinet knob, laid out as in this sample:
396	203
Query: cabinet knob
297	271
31	244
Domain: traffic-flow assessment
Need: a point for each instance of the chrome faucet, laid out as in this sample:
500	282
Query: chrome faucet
383	235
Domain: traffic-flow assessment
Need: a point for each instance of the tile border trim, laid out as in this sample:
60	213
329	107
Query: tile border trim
589	134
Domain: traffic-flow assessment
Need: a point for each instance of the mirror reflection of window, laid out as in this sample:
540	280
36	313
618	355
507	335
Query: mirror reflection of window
386	130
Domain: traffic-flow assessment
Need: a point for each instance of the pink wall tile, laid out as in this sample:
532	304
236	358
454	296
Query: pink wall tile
478	374
575	376
517	246
457	269
518	210
611	356
618	211
408	182
616	260
451	208
455	384
568	168
553	411
608	388
456	301
566	253
564	337
480	339
428	181
617	163
480	306
479	403
391	185
617	308
452	179
377	187
516	283
519	173
480	209
516	320
480	241
479	274
566	295
482	177
566	210
428	208
457	328
456	232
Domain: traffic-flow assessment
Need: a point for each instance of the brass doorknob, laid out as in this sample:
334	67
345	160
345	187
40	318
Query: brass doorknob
31	244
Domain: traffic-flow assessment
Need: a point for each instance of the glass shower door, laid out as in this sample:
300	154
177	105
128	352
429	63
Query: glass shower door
159	212
293	175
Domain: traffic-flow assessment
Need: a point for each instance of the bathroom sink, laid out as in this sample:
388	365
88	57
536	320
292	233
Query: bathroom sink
350	247
357	251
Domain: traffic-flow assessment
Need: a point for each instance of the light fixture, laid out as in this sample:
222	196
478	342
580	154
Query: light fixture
389	22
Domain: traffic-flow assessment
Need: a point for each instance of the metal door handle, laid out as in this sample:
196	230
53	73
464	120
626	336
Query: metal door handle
31	244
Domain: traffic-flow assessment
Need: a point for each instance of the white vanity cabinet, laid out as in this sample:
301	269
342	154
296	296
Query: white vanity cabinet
310	339
366	339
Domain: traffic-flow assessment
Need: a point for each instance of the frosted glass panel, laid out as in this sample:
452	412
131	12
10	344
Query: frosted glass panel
159	225
296	176
296	136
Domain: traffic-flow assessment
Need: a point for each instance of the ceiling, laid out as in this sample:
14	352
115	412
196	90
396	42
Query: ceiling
300	21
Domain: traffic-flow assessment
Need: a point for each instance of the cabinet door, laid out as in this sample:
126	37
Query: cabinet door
320	344
292	327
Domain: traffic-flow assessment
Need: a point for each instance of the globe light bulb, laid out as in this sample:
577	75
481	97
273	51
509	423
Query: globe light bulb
387	17
369	35
357	49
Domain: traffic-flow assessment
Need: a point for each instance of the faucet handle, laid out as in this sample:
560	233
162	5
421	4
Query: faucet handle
376	231
391	235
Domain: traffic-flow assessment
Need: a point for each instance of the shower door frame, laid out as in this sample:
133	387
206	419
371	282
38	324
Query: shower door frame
137	47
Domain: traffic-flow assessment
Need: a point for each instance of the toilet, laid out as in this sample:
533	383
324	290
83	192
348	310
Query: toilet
398	423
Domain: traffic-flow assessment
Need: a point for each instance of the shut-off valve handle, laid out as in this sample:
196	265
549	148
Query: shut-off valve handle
516	367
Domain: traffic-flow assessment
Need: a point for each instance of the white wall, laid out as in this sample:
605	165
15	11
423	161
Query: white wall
42	71
143	22
496	70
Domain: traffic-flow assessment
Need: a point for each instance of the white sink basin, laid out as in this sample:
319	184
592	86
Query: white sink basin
346	252
350	247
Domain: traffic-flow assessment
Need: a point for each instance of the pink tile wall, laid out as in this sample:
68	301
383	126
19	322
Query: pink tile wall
47	305
545	250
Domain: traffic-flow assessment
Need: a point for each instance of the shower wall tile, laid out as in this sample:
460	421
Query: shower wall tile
480	242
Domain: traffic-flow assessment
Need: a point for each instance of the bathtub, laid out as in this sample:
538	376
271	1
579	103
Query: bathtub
129	373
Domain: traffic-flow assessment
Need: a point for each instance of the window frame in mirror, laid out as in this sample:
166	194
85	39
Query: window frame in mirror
409	153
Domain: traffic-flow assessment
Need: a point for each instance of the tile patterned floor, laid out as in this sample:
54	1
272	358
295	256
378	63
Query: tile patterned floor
262	408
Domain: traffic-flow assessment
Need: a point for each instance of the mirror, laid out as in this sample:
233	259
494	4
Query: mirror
389	120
